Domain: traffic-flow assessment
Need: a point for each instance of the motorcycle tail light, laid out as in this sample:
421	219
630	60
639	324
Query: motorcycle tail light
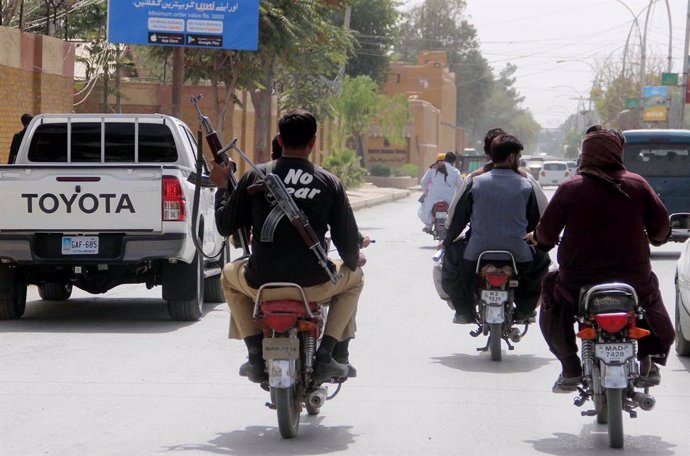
304	325
638	333
496	280
587	333
280	322
613	322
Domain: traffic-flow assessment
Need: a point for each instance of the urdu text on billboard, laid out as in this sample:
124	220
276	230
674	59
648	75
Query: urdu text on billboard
207	24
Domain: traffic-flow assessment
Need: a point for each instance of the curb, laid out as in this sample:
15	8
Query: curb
380	199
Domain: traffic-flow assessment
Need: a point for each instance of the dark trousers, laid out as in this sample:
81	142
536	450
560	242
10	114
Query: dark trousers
458	279
559	308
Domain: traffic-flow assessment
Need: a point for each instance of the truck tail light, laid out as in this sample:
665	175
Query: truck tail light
174	209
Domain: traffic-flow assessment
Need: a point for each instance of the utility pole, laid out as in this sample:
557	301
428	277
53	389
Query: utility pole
685	68
643	62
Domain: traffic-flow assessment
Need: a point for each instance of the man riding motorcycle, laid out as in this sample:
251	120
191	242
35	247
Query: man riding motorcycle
501	208
608	217
438	184
321	196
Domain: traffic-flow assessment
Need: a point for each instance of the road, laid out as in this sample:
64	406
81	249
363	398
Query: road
111	375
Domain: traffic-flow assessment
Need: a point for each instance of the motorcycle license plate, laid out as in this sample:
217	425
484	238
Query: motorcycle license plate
614	353
281	348
494	296
441	215
80	245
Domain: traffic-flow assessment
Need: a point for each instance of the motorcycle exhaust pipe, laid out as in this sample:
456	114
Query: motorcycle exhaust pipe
645	401
317	397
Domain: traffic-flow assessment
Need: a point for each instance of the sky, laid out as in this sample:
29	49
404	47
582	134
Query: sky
557	44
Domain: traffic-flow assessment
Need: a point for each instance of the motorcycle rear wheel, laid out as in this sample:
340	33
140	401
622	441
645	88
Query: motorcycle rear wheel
288	409
495	341
600	405
614	402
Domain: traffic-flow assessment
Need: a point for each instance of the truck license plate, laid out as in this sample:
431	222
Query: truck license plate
494	296
80	245
614	353
281	348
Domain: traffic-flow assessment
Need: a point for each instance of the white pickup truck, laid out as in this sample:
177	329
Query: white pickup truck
99	200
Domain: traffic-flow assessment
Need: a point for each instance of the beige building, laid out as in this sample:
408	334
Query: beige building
430	88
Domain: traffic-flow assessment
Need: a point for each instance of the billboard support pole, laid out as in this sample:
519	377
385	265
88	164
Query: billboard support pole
685	68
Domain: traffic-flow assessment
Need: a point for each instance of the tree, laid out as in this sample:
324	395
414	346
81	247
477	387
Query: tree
287	30
503	109
374	25
360	104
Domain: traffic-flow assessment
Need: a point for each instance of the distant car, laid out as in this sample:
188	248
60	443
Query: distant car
572	167
553	173
683	301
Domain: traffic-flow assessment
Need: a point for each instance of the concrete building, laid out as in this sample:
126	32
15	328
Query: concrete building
431	91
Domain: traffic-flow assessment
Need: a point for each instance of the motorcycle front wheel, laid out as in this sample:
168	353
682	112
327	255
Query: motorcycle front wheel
288	409
495	341
614	403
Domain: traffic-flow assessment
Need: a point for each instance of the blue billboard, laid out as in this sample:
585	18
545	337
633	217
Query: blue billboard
207	24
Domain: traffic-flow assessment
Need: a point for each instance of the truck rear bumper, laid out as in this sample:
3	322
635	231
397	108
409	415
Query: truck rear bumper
44	248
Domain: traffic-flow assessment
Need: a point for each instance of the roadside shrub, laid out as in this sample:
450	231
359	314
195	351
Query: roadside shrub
379	169
408	169
345	165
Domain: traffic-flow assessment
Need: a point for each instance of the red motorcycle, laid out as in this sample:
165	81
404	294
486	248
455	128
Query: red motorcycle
439	213
292	329
608	314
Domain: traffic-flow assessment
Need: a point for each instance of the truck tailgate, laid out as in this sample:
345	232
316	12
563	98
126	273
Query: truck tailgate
80	198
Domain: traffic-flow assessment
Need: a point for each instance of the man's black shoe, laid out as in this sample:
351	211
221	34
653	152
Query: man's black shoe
463	318
325	371
256	372
351	370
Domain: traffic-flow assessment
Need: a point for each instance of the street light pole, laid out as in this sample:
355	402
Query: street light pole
685	67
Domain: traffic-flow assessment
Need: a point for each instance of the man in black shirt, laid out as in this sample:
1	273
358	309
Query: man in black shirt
321	196
17	138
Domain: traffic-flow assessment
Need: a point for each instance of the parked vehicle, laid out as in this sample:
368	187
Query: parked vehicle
100	200
608	314
553	173
572	167
292	329
662	157
682	284
439	212
497	280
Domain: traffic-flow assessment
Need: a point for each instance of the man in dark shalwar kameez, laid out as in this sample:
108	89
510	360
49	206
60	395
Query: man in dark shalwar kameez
608	216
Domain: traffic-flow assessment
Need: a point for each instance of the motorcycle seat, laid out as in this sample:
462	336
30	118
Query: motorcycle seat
607	298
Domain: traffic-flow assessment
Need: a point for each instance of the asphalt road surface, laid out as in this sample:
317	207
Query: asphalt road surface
112	375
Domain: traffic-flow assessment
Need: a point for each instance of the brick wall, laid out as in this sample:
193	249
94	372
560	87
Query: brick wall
36	76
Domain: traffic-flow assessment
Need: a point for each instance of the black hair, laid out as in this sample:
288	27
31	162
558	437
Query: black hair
26	118
276	149
505	145
450	157
297	128
489	136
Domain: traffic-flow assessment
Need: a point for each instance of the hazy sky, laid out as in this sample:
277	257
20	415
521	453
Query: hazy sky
536	34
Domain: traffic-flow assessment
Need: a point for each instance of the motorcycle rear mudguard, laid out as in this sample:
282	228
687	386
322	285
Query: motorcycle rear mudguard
281	373
614	376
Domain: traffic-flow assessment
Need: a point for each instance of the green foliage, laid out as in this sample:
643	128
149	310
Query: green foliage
374	24
345	164
503	109
408	169
379	169
360	104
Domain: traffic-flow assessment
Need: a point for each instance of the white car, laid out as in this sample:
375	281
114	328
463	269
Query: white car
683	301
553	173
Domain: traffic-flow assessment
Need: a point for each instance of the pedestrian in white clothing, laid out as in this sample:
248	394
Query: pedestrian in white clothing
438	184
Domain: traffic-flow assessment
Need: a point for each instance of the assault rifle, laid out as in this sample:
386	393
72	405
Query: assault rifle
285	206
220	156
